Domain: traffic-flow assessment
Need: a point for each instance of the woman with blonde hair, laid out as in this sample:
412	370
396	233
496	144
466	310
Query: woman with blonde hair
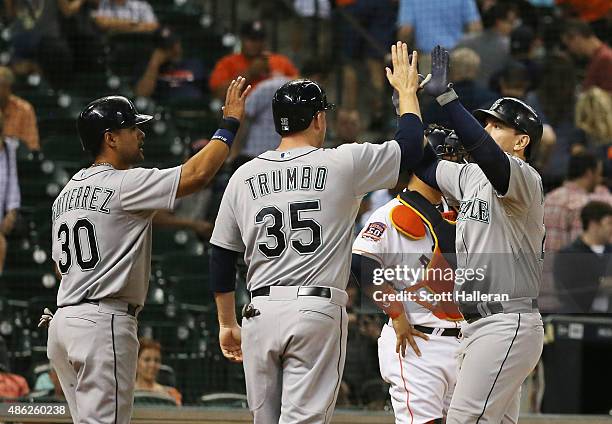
594	115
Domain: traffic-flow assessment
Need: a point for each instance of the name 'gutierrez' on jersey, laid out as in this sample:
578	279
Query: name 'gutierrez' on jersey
101	224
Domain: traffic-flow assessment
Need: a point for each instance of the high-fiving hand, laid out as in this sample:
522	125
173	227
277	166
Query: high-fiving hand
404	76
235	99
440	62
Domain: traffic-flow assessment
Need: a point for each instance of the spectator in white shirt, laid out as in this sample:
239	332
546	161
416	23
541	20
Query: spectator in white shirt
125	16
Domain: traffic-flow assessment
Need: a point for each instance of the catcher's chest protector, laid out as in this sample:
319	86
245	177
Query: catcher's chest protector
410	219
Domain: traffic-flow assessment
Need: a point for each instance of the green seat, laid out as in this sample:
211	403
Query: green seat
26	283
192	289
44	101
137	47
146	398
65	148
26	256
95	85
193	118
184	264
62	125
30	164
167	240
36	192
224	400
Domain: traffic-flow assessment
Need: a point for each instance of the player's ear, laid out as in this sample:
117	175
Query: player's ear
521	142
318	120
110	139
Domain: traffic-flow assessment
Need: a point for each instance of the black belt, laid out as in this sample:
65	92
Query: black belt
131	309
302	291
472	314
452	332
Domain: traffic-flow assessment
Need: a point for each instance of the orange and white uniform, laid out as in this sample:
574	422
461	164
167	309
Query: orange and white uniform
421	387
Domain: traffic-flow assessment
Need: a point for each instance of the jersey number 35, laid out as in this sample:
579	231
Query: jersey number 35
275	228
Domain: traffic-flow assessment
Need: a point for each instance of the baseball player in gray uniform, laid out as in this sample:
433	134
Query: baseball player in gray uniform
290	212
102	249
499	237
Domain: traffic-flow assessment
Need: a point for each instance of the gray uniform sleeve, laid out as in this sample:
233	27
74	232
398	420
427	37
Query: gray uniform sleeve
524	185
451	178
149	189
375	166
226	232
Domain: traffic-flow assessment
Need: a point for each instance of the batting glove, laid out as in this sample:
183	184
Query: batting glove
45	318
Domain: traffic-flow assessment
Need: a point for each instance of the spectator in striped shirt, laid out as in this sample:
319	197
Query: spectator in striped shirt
562	206
10	197
125	16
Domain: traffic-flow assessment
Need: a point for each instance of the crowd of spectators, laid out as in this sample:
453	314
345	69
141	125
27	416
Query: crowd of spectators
554	54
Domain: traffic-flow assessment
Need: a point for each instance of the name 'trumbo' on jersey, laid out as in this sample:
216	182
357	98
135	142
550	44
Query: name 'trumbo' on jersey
87	197
293	178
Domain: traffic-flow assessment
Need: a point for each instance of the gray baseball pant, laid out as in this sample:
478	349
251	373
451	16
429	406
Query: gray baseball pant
496	355
94	350
293	356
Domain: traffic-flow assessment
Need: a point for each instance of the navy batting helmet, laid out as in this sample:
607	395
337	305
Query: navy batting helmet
103	115
296	103
517	114
446	144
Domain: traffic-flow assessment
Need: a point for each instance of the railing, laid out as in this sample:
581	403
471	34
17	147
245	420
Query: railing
190	415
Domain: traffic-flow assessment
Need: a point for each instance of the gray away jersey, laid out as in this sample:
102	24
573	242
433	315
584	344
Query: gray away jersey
503	236
292	212
102	231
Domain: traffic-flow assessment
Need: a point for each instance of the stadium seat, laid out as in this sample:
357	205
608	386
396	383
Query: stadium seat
175	14
192	289
166	376
25	283
62	125
37	192
193	118
138	47
225	400
167	240
95	85
182	264
65	149
153	399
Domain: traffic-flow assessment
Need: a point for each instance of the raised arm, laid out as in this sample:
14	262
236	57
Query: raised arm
404	78
198	171
483	149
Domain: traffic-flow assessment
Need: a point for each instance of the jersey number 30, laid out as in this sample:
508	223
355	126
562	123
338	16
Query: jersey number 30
83	231
297	223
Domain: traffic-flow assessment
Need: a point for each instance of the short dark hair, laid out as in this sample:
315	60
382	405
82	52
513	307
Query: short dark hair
515	75
497	12
314	66
576	27
580	163
594	212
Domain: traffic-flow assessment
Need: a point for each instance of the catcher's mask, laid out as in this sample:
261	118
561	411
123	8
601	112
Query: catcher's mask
446	144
